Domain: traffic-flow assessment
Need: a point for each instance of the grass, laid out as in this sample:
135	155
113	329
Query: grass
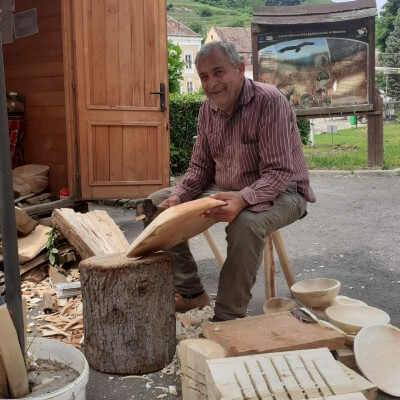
189	12
347	149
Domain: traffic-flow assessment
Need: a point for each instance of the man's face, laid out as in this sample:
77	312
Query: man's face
221	81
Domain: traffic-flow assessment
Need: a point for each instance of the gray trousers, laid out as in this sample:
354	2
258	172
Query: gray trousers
245	236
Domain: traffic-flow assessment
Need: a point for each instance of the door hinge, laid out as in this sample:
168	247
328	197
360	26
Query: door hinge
73	85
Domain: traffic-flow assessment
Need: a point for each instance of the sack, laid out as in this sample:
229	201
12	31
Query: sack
33	175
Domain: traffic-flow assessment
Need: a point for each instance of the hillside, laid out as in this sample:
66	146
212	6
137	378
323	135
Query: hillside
201	15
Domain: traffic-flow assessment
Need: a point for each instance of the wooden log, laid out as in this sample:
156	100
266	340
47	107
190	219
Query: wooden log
25	224
91	234
129	312
12	356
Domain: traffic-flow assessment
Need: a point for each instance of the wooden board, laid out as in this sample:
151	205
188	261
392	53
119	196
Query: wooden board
91	234
11	354
294	375
193	354
33	244
367	388
173	226
270	333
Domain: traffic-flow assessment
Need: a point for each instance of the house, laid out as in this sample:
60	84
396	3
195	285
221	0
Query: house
241	38
190	43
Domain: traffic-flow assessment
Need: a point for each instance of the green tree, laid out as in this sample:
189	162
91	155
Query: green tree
385	22
391	58
175	67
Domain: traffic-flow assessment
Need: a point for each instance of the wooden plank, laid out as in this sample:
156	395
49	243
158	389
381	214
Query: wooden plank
125	53
346	356
25	224
138	47
97	45
286	376
33	70
4	393
47	207
91	234
101	153
265	376
112	40
301	375
11	354
367	388
270	333
116	152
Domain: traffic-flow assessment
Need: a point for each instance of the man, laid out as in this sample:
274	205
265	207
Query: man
247	153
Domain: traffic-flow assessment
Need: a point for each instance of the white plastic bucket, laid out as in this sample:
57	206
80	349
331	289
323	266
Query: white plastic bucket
50	349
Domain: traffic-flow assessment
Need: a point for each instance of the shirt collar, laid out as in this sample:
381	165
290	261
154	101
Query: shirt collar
246	94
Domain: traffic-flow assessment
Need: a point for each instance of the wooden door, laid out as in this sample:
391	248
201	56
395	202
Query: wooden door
122	129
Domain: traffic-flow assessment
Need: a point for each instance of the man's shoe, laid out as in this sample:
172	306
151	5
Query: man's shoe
183	304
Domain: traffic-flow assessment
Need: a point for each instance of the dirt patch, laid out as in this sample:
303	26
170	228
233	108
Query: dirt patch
47	376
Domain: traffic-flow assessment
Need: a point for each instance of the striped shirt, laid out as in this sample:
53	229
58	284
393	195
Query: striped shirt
255	151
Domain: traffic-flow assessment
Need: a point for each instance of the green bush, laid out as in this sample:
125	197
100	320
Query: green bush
183	114
304	129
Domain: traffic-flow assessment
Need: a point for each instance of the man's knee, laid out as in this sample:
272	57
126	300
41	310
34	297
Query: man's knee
246	224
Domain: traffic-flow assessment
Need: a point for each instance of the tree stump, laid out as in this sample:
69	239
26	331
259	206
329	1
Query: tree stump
128	312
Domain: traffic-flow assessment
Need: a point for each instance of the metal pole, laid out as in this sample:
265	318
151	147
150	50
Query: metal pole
7	217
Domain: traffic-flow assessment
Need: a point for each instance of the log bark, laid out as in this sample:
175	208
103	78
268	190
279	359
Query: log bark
129	312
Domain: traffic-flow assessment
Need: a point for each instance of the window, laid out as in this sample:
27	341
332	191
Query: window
188	61
190	87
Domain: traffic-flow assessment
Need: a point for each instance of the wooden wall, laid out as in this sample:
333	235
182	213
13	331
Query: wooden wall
34	69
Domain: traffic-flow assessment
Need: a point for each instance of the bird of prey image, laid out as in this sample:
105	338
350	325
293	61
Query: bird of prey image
296	47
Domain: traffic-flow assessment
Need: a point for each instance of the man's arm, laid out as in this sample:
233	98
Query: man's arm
201	169
275	149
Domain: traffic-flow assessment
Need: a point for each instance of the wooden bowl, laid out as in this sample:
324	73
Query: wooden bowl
377	353
352	318
347	301
279	304
318	292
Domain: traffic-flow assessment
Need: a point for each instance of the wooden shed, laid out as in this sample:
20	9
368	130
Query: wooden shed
93	79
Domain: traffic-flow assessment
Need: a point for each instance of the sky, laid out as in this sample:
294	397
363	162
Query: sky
379	3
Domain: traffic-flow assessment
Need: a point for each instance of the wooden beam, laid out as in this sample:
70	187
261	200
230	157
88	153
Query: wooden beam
12	356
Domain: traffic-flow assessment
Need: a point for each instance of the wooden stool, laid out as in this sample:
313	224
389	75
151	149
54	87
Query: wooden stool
274	239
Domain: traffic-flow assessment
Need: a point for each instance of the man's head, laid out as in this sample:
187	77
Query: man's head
221	73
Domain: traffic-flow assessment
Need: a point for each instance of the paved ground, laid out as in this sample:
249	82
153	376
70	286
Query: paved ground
351	234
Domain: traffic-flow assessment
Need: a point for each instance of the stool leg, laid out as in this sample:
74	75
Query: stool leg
217	254
269	269
283	259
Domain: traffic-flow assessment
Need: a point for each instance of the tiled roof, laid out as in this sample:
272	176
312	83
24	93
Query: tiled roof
176	28
240	37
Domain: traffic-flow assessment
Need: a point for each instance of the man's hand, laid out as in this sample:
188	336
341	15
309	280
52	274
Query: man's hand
235	203
170	202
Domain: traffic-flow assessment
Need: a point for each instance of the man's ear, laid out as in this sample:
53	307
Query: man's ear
241	67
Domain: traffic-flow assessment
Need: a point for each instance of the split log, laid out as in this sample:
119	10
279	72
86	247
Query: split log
33	244
91	234
129	312
25	224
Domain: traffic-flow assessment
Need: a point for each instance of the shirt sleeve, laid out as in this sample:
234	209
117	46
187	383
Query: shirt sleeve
276	163
201	170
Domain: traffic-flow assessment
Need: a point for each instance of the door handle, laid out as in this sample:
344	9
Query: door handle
162	96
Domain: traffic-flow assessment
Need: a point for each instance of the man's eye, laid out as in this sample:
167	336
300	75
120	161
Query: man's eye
219	73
